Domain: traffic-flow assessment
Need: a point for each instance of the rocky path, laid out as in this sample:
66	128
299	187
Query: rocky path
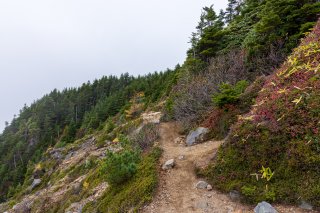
177	192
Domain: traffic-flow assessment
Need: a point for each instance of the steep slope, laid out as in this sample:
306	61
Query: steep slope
73	178
273	152
62	117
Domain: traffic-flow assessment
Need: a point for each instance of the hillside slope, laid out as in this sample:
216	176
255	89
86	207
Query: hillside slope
273	152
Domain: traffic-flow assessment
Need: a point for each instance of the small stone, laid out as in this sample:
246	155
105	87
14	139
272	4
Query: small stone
201	185
209	187
168	165
305	205
202	205
181	157
76	189
209	195
264	207
230	209
234	195
35	183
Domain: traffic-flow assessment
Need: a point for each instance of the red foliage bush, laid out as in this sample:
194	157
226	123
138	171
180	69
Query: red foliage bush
280	132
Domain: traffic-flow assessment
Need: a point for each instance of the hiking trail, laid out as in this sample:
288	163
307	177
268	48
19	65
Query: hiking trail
177	192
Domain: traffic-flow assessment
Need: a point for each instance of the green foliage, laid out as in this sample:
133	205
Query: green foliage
280	132
229	94
254	26
169	113
120	167
133	194
249	191
61	117
266	173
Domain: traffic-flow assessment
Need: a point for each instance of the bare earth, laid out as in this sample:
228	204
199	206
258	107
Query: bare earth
177	192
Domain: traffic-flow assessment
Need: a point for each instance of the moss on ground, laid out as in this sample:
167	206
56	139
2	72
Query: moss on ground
133	194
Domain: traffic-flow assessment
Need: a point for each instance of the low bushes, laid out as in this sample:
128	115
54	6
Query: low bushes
281	132
121	166
229	94
133	194
231	102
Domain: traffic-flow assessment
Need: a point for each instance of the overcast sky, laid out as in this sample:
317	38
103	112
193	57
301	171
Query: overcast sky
47	44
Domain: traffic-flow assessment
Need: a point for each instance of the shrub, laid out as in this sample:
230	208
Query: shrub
192	94
133	194
219	120
229	94
280	132
120	167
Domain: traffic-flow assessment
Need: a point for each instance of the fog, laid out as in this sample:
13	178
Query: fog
63	43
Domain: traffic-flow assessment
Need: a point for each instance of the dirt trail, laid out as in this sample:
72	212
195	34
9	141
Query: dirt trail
177	192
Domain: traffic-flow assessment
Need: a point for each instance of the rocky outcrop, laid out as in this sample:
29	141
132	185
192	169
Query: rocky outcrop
197	136
151	117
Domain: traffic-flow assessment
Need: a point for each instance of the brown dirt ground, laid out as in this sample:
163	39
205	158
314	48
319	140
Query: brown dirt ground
177	192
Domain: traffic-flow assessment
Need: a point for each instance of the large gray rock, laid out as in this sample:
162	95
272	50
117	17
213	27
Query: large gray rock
168	165
264	207
35	183
201	185
197	136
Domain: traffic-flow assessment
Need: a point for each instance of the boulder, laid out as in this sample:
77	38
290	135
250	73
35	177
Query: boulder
201	185
264	207
168	165
35	183
197	136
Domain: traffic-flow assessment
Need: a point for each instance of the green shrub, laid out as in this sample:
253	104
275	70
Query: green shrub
120	167
133	194
280	132
249	190
110	126
229	94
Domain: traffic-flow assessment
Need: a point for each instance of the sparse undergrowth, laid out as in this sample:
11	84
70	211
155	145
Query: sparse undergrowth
281	133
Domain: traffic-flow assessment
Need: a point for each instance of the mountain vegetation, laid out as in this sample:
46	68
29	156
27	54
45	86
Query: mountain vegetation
281	133
246	78
60	118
